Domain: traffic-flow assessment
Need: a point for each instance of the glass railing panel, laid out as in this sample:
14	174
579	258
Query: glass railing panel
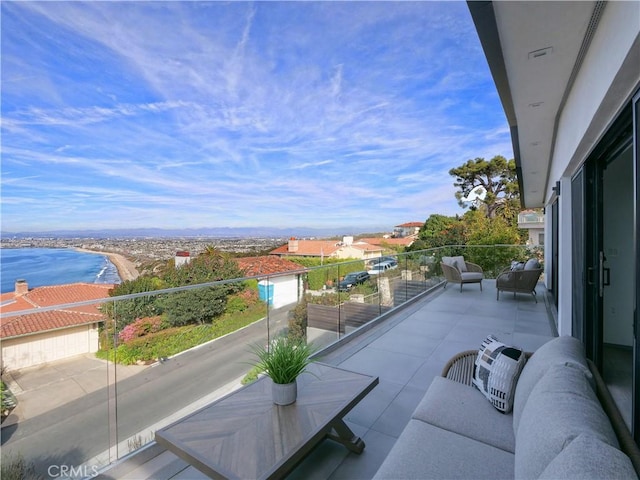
60	425
320	306
178	350
360	296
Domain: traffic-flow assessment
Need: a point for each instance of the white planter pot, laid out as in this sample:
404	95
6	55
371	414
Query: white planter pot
284	394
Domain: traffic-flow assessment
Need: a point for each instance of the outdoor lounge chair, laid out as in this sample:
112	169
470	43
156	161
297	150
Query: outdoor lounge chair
457	270
519	281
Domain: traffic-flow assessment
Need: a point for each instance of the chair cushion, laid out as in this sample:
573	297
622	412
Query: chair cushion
462	409
532	264
471	276
559	350
498	367
424	451
588	457
459	263
561	407
448	261
517	266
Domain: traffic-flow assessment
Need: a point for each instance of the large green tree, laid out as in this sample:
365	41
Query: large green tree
496	178
440	230
123	312
201	305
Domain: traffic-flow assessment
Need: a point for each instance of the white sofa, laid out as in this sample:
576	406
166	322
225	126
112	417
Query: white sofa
558	428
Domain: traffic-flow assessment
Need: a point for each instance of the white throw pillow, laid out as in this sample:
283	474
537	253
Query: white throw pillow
498	367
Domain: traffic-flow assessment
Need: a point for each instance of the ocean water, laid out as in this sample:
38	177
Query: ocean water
53	266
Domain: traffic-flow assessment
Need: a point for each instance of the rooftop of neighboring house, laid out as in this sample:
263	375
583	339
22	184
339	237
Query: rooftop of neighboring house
266	265
411	225
328	248
391	241
308	248
24	299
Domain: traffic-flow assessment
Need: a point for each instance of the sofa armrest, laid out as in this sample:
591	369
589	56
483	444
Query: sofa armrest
461	366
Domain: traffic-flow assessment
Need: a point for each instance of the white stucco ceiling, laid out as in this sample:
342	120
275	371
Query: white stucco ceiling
540	43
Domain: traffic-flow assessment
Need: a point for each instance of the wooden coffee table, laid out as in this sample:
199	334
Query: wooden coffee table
244	435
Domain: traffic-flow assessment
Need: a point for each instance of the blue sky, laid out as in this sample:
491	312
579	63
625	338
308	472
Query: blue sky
233	114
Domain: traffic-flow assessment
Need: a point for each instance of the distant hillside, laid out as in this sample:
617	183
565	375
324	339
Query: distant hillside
218	232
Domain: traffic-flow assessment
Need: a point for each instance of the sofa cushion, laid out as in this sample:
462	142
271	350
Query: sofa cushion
588	457
562	406
532	264
498	367
462	409
557	351
424	451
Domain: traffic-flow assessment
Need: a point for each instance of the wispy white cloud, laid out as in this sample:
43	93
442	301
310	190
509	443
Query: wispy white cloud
287	113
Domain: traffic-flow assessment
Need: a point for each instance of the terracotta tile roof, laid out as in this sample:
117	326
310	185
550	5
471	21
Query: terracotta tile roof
266	265
404	241
366	246
411	224
310	248
45	321
47	297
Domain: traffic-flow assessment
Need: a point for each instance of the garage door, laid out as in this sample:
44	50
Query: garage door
45	347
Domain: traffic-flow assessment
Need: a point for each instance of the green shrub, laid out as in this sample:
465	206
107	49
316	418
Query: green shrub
251	376
236	305
15	467
174	340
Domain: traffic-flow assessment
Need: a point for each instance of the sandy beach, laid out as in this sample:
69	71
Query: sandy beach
126	269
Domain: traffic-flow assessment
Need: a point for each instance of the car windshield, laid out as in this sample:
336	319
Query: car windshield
349	277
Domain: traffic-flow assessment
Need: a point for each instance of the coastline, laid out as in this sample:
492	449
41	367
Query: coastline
126	269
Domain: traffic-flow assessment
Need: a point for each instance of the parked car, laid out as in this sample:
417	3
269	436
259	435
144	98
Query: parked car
352	279
378	260
382	267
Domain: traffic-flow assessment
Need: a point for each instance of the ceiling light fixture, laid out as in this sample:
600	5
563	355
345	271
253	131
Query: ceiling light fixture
543	52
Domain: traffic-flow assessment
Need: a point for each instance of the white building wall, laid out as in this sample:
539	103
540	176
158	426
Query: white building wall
32	350
607	80
285	290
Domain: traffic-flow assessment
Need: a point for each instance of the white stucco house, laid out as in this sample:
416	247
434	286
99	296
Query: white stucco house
280	281
33	338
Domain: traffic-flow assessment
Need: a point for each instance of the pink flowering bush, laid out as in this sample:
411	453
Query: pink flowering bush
139	328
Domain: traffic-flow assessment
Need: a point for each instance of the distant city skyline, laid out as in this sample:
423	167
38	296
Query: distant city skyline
179	115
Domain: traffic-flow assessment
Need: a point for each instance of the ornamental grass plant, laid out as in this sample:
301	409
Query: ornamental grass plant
284	359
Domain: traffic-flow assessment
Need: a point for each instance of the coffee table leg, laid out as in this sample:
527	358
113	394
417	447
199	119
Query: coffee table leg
345	436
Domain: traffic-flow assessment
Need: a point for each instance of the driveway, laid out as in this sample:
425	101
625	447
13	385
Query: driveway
46	387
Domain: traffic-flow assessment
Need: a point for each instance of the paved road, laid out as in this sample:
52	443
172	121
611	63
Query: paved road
79	430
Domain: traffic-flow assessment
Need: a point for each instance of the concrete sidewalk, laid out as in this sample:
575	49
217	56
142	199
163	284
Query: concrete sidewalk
51	385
